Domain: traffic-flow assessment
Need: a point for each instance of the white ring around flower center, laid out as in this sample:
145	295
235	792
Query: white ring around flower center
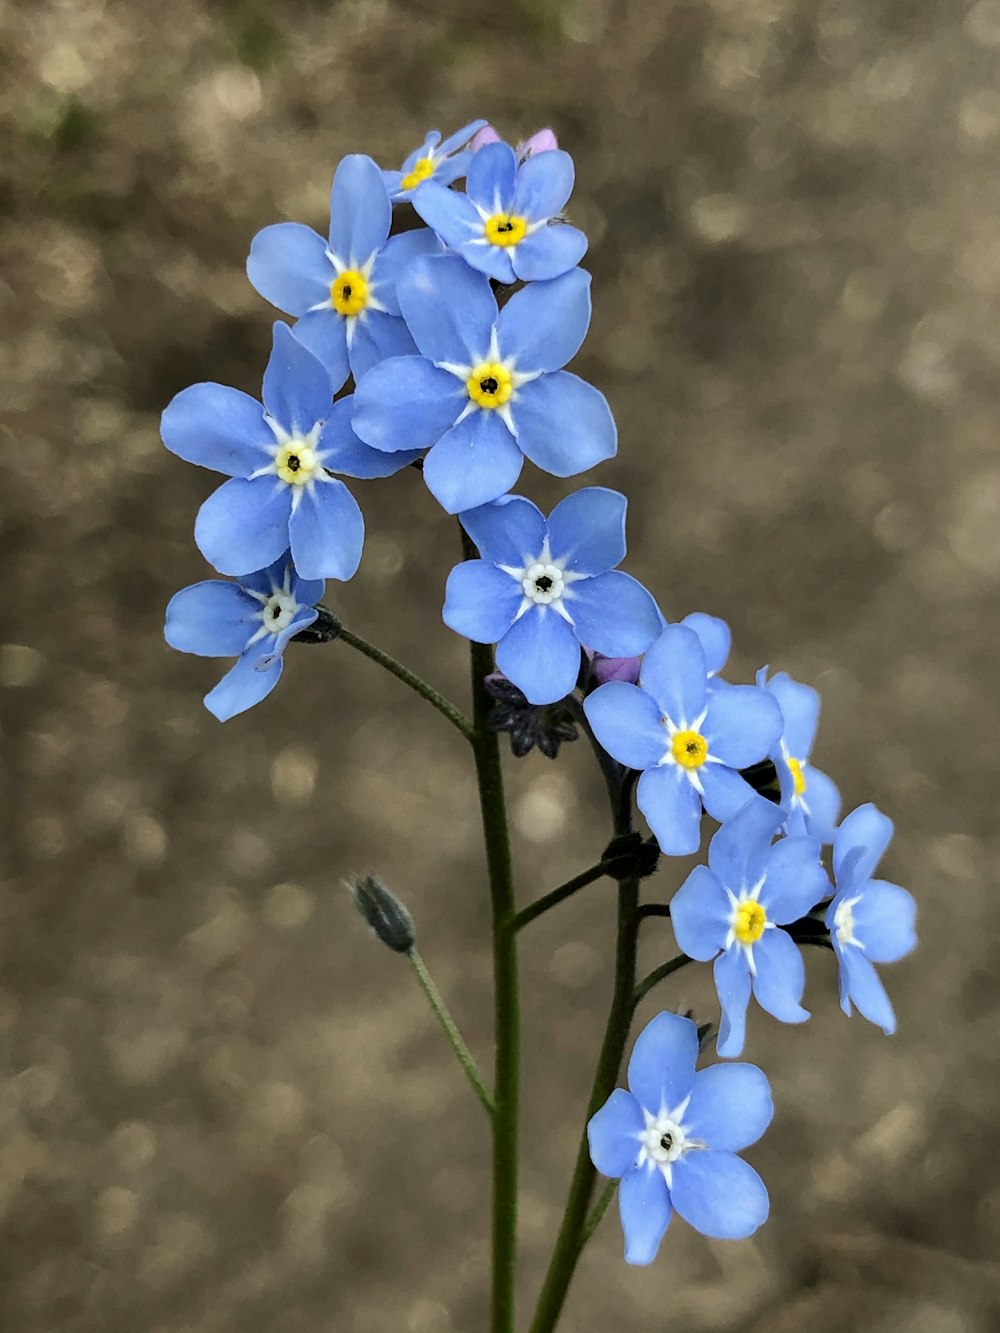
543	583
278	612
843	921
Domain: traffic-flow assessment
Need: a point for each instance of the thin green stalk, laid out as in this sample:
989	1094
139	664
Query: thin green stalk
444	706
653	909
558	895
598	1211
656	976
450	1028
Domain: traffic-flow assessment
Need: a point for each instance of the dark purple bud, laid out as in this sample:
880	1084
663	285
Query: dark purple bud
386	915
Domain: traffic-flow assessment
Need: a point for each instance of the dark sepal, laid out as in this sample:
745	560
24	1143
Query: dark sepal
386	915
631	856
531	726
324	629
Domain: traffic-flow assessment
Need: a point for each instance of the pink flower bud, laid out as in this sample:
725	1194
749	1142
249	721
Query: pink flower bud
542	141
484	136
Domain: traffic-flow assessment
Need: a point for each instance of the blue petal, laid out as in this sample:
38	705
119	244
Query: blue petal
494	261
796	881
742	725
868	831
674	673
243	686
548	252
700	912
542	327
739	851
672	808
730	1106
400	251
732	981
474	462
862	984
885	921
544	184
780	978
719	1194
219	428
823	800
376	337
564	425
305	616
724	792
450	310
297	388
324	333
626	721
406	403
244	524
492	173
644	1208
508	531
661	1067
541	655
587	529
613	1133
716	638
360	210
613	614
460	138
481	601
450	215
212	619
327	532
343	452
800	710
288	265
307	591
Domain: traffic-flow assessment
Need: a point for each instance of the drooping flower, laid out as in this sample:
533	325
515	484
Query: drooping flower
252	619
673	1139
732	910
544	589
342	292
487	390
507	224
688	740
810	797
870	920
279	457
434	160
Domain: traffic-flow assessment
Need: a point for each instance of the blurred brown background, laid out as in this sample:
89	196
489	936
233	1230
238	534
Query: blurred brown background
224	1107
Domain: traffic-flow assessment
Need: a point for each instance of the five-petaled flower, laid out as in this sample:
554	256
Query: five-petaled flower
507	223
809	796
343	293
673	1140
688	739
487	390
544	589
870	920
252	619
434	160
732	910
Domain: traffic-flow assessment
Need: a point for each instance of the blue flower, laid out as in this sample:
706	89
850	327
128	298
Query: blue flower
281	494
810	797
870	921
544	589
487	390
433	160
252	619
731	910
688	740
715	638
674	1137
343	294
507	223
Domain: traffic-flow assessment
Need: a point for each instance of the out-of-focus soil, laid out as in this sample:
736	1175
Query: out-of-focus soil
223	1107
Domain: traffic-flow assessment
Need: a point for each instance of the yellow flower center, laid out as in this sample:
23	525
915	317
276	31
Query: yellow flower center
749	922
505	229
689	749
797	774
297	463
421	170
489	385
349	292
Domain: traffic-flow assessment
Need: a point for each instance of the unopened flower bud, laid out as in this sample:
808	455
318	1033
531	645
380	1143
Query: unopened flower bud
630	856
386	915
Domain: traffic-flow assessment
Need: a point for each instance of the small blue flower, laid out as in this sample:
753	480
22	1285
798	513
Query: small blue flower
674	1137
433	160
870	921
810	797
487	390
507	223
731	910
252	619
343	294
544	589
688	739
278	455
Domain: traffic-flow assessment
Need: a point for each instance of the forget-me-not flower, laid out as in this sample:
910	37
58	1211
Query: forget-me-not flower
870	921
281	493
732	910
673	1139
544	589
342	292
434	160
507	223
810	797
688	740
487	390
252	619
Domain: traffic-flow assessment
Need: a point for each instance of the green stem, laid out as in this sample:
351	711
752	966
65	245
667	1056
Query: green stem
557	896
598	1211
653	909
656	976
444	706
450	1028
